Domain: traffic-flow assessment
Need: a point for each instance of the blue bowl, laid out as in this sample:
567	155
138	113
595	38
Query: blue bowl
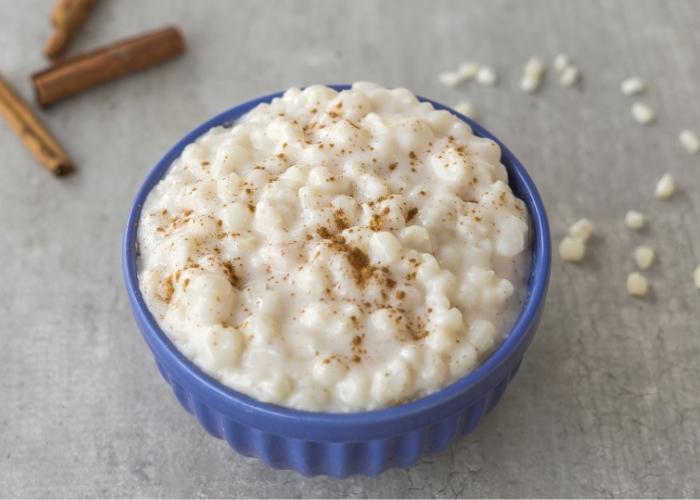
342	444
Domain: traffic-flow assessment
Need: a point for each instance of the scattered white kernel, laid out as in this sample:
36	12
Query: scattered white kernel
466	108
572	249
644	256
468	70
449	78
582	228
529	84
665	187
642	113
635	220
561	61
534	67
696	277
637	284
532	75
569	76
690	141
486	76
633	86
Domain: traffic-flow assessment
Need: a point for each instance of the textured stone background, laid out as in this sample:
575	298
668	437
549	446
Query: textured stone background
607	402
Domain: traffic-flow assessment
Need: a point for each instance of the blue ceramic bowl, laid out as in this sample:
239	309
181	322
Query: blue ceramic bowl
341	444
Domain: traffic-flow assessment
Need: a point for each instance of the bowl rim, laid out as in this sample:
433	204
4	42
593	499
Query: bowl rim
326	425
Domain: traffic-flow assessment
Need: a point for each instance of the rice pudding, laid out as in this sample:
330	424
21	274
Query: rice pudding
336	251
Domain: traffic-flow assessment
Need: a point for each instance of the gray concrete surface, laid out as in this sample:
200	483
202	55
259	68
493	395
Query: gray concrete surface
607	401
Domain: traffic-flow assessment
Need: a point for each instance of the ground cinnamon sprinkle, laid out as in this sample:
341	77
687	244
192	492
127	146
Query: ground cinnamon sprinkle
168	287
411	214
230	273
327	235
420	331
375	222
400	294
362	270
340	219
393	166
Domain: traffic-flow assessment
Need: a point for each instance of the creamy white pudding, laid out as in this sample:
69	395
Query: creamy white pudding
336	251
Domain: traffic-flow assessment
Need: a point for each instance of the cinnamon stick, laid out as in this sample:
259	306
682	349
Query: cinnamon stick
67	17
78	74
31	131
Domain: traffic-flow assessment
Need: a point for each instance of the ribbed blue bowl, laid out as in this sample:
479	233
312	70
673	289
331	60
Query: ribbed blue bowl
341	444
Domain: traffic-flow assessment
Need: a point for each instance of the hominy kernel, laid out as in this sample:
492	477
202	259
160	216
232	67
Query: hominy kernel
449	78
569	76
635	220
633	86
572	249
582	228
529	84
690	141
642	113
534	67
561	61
644	256
637	285
665	187
486	76
468	70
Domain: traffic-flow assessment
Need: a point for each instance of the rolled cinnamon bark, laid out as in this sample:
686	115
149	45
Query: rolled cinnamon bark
78	74
67	17
31	131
